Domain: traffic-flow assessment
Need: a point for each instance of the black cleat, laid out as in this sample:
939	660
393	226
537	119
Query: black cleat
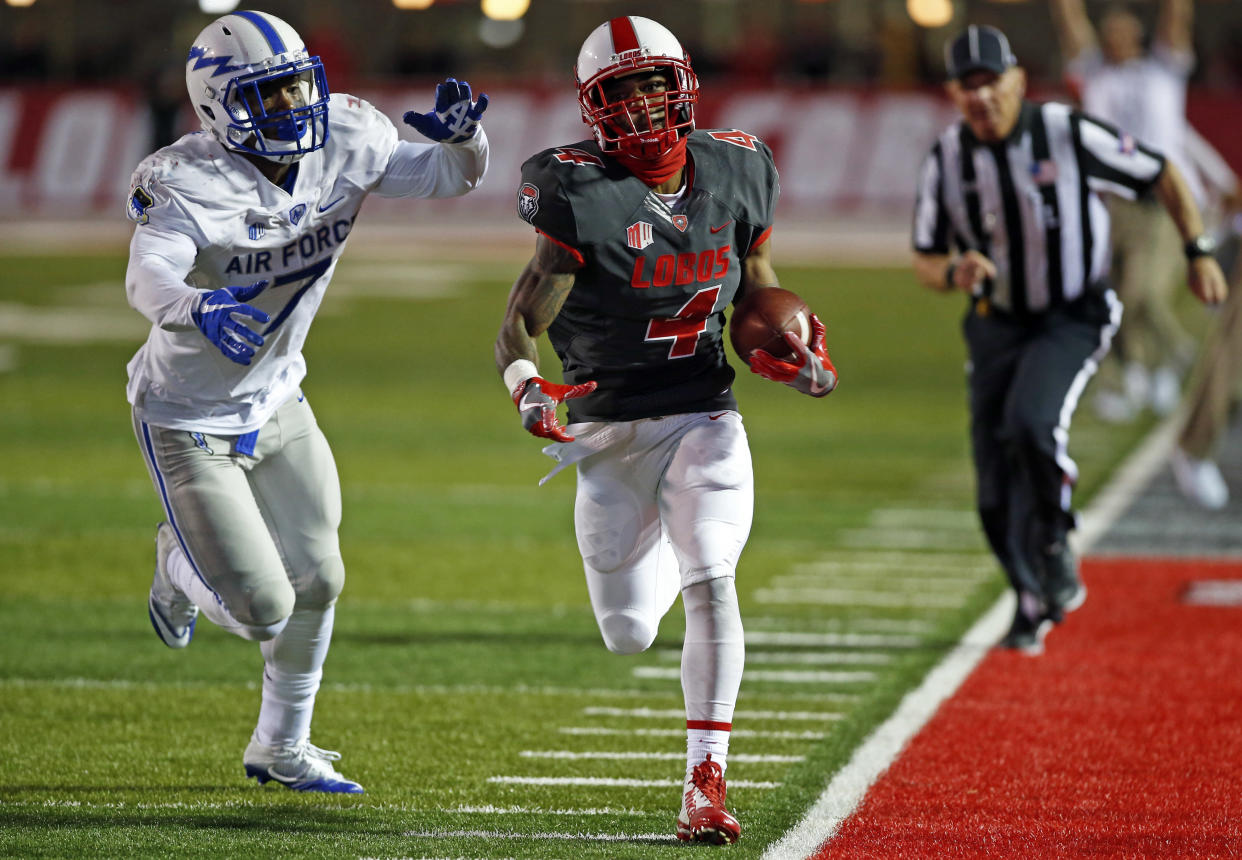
1062	585
1031	623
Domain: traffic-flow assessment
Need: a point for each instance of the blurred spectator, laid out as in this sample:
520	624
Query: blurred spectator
1212	399
1143	93
23	51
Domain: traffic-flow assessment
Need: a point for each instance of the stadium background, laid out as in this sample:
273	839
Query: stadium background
464	598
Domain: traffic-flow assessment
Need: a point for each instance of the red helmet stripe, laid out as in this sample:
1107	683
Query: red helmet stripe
623	36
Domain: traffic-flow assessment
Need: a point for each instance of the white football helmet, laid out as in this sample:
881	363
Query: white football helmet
243	59
626	46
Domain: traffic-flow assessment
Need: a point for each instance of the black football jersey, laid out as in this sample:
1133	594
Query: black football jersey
646	314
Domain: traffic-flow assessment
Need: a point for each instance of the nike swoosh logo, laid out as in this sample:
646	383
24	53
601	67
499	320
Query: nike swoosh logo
721	415
333	203
722	226
525	403
206	309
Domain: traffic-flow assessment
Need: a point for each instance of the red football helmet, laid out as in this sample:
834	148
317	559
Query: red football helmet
627	46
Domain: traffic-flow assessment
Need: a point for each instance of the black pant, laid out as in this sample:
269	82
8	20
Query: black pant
1026	376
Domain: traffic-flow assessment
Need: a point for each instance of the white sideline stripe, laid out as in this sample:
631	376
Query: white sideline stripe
867	658
570	755
851	640
846	597
613	782
507	834
850	785
900	558
681	733
782	677
679	713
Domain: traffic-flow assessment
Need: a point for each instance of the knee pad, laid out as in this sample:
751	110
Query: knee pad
268	605
626	632
320	589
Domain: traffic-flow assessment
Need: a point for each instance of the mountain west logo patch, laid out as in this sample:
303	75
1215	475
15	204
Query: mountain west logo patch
296	214
638	235
527	201
680	222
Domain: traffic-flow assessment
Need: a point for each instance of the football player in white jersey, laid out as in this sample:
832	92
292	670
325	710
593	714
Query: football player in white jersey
238	230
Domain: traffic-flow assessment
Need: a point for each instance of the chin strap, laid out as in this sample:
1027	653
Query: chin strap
658	170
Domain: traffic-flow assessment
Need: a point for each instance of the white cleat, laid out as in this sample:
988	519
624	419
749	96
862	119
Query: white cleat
1199	480
172	613
301	767
1166	391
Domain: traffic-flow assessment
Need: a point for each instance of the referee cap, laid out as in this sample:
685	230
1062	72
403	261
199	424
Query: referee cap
978	48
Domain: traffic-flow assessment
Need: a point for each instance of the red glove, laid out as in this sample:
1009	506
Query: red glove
537	399
811	374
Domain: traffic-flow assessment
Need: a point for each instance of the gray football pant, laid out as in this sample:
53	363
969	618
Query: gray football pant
256	517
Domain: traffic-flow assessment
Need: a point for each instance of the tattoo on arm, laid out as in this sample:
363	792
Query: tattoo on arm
534	302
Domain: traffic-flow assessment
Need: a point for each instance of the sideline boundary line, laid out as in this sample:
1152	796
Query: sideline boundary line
849	786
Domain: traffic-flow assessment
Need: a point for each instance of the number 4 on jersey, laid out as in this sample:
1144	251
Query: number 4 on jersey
684	328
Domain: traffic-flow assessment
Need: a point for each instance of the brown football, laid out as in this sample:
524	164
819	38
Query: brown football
760	320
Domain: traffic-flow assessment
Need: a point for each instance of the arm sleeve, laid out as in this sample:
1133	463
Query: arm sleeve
931	225
435	169
1113	161
155	278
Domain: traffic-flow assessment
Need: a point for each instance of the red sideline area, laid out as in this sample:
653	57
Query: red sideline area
1123	740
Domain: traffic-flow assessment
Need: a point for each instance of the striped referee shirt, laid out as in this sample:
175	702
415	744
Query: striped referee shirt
1030	203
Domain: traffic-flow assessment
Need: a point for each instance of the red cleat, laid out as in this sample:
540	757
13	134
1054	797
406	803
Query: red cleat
703	815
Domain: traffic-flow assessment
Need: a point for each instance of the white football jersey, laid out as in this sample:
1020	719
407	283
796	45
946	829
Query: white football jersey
207	218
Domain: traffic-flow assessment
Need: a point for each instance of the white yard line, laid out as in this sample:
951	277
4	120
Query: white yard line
493	835
833	640
681	733
848	788
571	755
613	782
679	713
805	658
846	676
858	597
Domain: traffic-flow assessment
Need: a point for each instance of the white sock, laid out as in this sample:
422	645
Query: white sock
293	667
712	659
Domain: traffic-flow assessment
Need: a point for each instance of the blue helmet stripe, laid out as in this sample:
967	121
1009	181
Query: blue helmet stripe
268	31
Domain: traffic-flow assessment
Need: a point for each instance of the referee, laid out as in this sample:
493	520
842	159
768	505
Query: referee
1008	212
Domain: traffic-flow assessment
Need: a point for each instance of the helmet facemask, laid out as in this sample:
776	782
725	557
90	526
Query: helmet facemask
279	134
643	125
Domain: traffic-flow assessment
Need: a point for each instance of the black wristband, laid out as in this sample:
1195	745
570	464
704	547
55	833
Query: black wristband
1200	246
948	276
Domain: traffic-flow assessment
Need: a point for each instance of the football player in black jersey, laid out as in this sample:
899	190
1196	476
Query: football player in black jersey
644	236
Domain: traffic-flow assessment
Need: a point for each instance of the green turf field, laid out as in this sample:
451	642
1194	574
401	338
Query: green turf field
467	685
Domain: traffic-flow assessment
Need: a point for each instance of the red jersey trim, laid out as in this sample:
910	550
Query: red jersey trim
763	237
555	241
709	725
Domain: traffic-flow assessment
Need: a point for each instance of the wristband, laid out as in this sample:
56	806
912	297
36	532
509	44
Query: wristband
1200	246
948	276
518	372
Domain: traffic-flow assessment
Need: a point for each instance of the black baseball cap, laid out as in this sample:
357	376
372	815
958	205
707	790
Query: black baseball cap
978	48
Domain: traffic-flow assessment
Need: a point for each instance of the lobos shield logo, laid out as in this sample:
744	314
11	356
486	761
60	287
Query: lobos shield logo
527	201
638	235
680	222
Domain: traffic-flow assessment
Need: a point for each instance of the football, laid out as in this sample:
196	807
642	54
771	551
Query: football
761	319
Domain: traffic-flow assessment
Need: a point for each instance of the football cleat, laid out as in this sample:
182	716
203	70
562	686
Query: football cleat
1062	585
173	615
1031	624
703	815
301	766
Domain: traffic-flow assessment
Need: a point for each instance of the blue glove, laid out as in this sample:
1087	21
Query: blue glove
214	316
455	117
